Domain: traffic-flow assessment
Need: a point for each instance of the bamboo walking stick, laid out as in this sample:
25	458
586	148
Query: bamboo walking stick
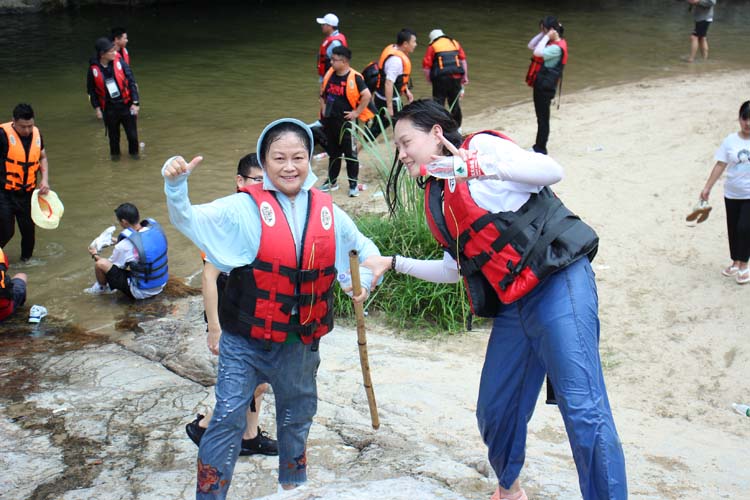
362	340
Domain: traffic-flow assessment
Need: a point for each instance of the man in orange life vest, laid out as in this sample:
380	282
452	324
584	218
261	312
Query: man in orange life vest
329	24
22	160
12	290
344	97
445	66
114	95
120	39
395	74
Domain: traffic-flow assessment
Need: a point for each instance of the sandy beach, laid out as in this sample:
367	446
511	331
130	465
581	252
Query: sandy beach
674	331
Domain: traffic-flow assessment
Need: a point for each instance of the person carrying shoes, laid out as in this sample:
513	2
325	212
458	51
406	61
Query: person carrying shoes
733	156
254	440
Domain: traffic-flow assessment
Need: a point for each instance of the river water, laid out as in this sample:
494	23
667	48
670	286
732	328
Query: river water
211	76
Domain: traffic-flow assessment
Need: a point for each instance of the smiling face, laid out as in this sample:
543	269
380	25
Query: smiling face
287	163
415	146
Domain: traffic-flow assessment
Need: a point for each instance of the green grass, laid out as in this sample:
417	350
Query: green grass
406	303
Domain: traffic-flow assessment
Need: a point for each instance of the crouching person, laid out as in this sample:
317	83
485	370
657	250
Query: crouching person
138	265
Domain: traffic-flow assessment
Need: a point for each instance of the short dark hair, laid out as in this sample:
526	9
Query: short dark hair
127	211
552	22
118	31
246	163
405	35
745	110
342	51
23	111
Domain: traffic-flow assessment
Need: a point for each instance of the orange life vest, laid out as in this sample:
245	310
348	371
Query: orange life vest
260	297
120	78
6	288
446	60
537	62
20	168
323	62
503	256
351	92
402	82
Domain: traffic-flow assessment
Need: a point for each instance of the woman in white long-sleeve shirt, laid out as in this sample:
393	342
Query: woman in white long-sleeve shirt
524	259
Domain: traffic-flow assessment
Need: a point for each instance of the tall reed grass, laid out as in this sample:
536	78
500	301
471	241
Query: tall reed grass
406	303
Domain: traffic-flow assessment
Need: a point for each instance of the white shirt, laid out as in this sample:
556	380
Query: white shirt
735	152
522	173
393	68
125	253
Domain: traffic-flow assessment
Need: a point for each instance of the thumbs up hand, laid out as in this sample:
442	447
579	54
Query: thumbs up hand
178	166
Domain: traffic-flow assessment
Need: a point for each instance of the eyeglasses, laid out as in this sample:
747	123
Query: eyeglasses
251	178
336	59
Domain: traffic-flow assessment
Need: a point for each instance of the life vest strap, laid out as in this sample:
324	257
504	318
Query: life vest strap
296	276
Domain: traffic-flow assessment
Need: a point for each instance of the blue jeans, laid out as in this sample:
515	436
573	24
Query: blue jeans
553	330
243	364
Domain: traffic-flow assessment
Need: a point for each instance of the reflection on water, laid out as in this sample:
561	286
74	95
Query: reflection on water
212	77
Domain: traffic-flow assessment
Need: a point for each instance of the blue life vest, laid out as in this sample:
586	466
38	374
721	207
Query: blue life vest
151	270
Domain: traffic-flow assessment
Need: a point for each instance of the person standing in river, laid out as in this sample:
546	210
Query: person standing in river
120	39
329	25
114	95
23	165
703	14
282	243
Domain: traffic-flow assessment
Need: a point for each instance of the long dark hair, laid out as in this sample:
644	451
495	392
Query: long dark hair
423	114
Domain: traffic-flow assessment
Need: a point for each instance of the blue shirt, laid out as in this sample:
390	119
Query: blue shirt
228	229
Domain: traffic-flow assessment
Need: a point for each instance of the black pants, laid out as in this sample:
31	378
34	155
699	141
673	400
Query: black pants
738	228
114	116
380	105
16	206
445	90
340	148
542	102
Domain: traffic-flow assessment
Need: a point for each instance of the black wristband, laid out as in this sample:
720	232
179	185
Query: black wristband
393	263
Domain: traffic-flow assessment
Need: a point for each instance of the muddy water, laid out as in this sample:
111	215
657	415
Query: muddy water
211	77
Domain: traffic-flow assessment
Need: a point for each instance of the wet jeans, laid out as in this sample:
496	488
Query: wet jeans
554	330
243	364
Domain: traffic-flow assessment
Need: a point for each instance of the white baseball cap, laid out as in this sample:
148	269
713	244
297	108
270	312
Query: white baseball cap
329	18
436	33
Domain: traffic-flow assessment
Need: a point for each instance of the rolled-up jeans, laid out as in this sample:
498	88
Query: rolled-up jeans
291	369
554	330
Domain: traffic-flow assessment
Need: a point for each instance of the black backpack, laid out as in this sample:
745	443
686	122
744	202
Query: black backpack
371	74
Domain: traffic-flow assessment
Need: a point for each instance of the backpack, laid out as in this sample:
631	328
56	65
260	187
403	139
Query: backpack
371	74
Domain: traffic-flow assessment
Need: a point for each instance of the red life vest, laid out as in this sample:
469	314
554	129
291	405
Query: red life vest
323	62
259	298
20	167
351	92
502	256
123	52
537	62
120	78
6	288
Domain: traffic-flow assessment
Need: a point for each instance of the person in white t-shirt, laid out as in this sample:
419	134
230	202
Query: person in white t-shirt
733	156
524	260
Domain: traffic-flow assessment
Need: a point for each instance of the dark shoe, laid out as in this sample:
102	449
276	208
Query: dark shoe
261	444
195	431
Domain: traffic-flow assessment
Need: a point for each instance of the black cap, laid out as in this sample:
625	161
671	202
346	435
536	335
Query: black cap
103	44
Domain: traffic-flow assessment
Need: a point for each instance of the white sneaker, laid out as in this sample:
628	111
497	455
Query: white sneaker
37	313
97	289
353	192
329	186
